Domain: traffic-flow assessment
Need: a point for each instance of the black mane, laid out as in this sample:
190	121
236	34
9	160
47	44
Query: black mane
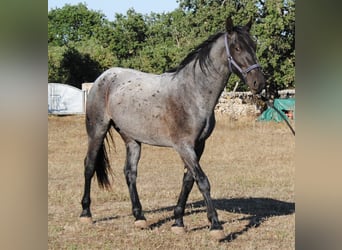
200	54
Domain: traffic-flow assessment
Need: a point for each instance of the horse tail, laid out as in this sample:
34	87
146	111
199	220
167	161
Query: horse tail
99	129
102	165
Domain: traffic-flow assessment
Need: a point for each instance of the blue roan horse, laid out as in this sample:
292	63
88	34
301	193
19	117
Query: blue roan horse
174	109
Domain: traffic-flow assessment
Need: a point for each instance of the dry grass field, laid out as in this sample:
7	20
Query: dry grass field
250	166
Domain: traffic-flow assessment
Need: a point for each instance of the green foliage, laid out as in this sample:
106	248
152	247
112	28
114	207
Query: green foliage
128	34
77	68
75	23
157	42
55	56
276	41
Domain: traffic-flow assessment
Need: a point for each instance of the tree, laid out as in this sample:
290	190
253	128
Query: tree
74	23
55	56
274	30
276	41
158	42
77	68
128	34
77	37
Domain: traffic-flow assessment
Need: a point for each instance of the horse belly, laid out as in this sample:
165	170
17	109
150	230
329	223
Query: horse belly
141	118
143	128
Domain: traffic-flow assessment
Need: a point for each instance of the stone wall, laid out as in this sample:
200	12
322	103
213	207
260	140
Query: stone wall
242	104
237	106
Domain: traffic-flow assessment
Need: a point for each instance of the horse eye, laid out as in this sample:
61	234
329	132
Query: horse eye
237	49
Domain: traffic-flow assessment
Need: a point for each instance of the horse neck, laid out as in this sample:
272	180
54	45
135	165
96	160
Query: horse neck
206	86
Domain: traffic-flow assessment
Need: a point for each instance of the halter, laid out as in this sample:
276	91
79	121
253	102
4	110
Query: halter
232	61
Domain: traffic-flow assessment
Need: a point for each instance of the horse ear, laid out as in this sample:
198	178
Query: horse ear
249	24
229	25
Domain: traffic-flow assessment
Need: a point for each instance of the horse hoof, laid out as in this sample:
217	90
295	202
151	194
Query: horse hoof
142	224
86	220
178	230
217	234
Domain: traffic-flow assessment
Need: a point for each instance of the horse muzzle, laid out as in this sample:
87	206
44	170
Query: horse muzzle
256	81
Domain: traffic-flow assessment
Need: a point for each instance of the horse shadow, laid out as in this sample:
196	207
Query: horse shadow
257	210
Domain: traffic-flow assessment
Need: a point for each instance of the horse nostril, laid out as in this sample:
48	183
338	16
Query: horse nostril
255	83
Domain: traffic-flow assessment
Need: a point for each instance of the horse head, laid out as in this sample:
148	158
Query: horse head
242	59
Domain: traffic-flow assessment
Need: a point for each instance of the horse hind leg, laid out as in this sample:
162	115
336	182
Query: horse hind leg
133	149
96	160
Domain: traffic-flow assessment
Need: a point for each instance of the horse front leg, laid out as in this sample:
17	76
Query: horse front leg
203	184
190	159
188	182
133	150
